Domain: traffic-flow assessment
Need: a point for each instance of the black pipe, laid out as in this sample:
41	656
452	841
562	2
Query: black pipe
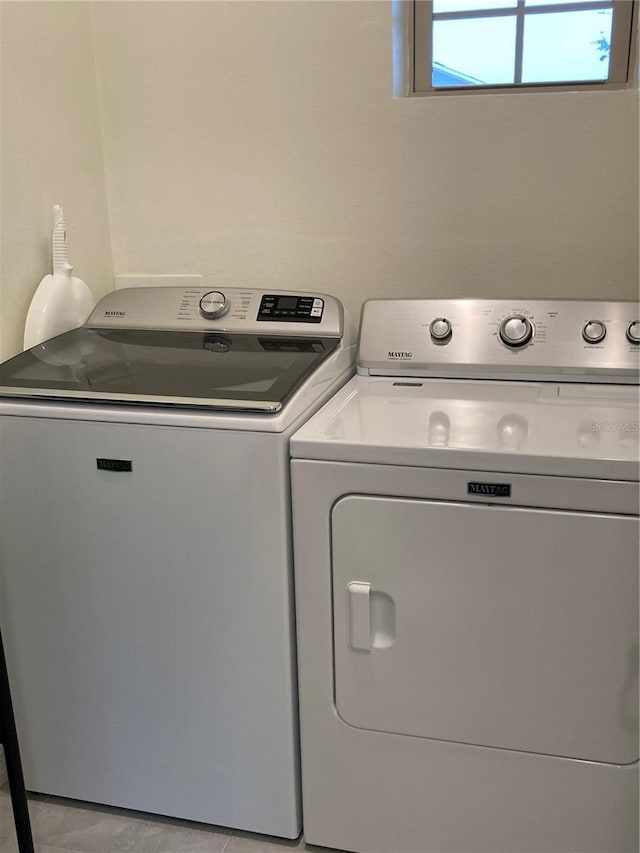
9	740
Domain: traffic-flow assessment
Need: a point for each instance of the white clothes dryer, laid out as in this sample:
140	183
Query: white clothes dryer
145	549
466	545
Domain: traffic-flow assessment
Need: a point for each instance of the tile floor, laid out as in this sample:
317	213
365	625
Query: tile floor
65	826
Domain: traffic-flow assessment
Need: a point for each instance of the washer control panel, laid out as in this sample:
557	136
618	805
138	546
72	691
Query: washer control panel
229	309
571	340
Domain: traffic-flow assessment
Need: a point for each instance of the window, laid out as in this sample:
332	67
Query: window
463	45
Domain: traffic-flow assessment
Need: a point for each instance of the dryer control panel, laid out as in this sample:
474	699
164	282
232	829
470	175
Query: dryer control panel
568	340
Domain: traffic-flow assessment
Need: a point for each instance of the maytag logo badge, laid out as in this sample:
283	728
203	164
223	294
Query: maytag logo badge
493	490
114	464
115	313
400	355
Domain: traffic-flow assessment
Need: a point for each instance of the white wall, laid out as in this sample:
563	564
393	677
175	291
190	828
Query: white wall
51	154
257	142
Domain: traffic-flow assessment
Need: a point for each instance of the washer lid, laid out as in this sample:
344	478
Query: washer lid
524	427
170	368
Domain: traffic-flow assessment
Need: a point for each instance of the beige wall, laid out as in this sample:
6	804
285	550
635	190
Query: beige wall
258	143
51	154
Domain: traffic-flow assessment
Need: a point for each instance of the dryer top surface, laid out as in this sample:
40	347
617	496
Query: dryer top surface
528	427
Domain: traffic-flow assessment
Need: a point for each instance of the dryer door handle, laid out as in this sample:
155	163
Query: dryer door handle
359	616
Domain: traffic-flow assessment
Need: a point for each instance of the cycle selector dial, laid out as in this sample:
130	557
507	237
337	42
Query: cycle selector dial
633	332
516	331
440	329
594	331
214	304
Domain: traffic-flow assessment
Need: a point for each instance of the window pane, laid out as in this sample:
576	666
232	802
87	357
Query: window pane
473	52
471	5
565	46
553	2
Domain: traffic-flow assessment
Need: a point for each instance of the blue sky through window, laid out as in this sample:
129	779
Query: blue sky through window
557	46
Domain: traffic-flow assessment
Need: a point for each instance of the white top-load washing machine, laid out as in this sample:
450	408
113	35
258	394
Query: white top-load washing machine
466	548
145	549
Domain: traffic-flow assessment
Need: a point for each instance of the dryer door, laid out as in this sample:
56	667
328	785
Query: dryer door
491	625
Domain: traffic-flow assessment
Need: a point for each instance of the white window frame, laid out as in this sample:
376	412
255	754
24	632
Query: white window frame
412	49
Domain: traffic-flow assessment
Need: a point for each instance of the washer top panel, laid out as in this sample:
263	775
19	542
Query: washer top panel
237	350
569	340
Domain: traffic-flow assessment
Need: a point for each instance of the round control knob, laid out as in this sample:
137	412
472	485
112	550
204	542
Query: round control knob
214	304
633	332
440	329
516	331
594	331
